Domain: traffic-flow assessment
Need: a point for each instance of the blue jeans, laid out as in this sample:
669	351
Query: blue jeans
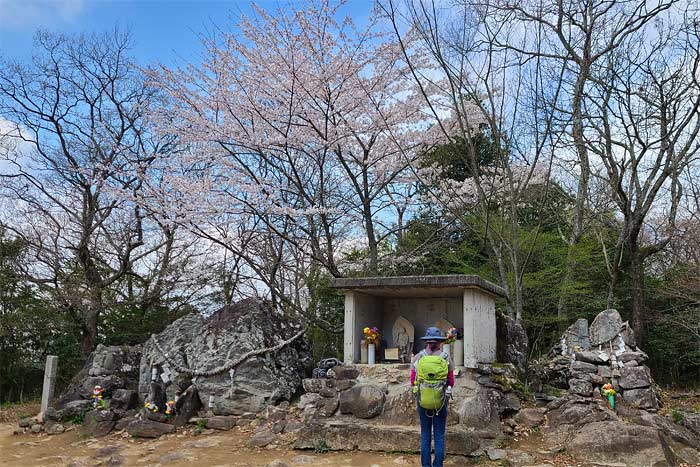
432	424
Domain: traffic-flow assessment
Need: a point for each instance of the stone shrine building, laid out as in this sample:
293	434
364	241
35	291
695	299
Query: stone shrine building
403	307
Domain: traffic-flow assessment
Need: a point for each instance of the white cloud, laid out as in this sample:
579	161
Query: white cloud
22	14
12	149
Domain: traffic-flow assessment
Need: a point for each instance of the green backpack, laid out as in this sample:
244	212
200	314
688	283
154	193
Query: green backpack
431	380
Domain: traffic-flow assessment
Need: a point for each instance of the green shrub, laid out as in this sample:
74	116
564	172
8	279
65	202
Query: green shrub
677	415
320	446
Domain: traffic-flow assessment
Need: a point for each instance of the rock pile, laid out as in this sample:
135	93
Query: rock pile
111	367
50	424
324	396
587	358
372	408
115	369
580	420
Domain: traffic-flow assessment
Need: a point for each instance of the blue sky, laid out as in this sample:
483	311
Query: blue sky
163	30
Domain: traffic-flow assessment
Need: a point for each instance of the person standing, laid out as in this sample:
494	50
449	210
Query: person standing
432	380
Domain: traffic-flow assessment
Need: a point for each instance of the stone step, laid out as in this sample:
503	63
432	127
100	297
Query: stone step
343	436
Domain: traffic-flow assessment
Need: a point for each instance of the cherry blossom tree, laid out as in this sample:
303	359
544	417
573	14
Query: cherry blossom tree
302	127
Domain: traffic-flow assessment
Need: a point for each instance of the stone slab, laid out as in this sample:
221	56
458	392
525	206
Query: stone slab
440	281
49	384
348	436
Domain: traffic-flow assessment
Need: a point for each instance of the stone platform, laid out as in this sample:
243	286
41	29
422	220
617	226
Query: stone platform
372	408
346	435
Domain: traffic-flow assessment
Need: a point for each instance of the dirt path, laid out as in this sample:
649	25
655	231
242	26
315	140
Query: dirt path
217	449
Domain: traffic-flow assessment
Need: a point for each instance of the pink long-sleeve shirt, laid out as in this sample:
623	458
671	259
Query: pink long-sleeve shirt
450	371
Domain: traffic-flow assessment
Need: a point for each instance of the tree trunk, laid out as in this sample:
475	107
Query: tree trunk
371	237
637	292
90	329
582	190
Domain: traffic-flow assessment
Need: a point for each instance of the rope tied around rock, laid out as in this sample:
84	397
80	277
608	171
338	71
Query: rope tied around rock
232	364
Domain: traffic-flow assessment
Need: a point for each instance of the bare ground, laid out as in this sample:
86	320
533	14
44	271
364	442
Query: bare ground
212	449
218	449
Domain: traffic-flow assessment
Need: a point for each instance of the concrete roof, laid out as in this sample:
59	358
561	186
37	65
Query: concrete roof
449	285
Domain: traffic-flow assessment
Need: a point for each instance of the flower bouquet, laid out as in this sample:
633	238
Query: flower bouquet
372	339
453	334
608	392
371	335
151	407
97	401
170	409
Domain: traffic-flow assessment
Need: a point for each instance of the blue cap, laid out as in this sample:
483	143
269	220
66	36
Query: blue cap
433	334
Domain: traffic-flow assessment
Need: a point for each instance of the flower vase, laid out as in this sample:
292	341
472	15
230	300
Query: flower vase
458	354
363	352
447	348
370	354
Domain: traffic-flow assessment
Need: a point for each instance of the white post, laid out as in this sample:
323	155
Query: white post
49	383
479	328
469	321
349	327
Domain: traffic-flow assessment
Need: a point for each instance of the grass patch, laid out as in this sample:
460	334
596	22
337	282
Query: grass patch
677	415
11	412
320	446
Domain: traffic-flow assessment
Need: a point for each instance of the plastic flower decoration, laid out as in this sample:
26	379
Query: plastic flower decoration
609	392
453	334
170	408
97	401
371	335
151	407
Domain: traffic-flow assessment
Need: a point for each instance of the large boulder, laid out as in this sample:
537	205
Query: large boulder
572	411
576	337
605	327
480	409
204	343
623	443
635	377
144	428
692	422
674	431
363	400
643	398
400	409
511	341
75	409
596	358
580	387
584	367
629	356
530	417
316	406
98	423
322	386
124	400
187	406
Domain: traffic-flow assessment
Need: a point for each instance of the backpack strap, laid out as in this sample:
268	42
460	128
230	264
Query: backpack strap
420	355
